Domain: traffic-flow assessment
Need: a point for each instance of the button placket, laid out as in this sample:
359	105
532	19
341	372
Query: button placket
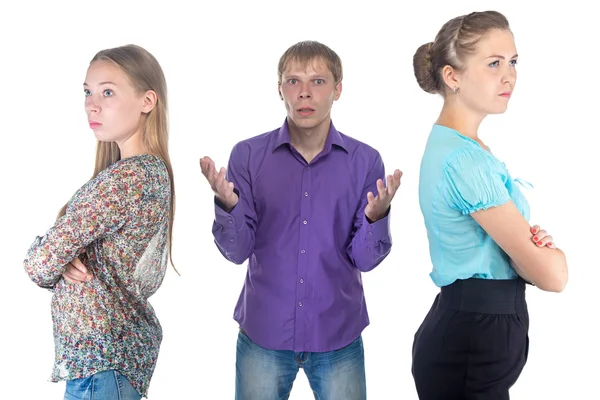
303	254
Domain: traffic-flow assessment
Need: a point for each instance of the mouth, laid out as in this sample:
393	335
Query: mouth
305	111
94	124
505	94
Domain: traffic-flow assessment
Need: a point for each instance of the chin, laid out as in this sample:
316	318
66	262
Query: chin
102	138
496	110
305	123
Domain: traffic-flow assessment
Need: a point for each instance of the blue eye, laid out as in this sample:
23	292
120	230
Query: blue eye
319	81
86	92
293	81
495	63
513	62
108	93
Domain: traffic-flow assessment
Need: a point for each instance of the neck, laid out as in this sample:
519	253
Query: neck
132	146
458	117
309	141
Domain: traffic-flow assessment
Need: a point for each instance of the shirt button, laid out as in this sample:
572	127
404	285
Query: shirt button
305	222
300	304
305	194
302	251
370	233
301	280
231	240
230	222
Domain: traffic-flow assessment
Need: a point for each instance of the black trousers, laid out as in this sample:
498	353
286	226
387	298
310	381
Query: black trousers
473	343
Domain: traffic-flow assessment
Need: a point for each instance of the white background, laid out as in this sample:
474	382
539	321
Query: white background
220	60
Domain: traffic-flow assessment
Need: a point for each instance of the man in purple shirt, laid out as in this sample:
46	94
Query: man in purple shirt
308	207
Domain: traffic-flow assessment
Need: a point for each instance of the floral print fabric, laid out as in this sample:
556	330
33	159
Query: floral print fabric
117	224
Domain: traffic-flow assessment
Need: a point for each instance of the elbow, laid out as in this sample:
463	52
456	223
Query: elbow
551	274
32	272
236	258
39	277
368	265
559	283
365	268
555	283
556	286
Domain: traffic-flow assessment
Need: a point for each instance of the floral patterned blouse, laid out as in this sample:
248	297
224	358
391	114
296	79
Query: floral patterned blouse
117	224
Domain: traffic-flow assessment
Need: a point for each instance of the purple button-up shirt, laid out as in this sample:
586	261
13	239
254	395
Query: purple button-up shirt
303	228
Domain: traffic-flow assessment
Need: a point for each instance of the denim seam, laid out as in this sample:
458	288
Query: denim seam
119	384
92	391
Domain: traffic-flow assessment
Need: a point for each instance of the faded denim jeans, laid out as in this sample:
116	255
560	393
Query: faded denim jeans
263	374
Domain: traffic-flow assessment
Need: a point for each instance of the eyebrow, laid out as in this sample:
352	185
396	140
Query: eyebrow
103	83
309	77
502	57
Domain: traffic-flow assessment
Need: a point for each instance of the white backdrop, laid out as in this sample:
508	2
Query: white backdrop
220	60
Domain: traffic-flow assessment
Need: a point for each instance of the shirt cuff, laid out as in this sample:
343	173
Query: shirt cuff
378	230
233	218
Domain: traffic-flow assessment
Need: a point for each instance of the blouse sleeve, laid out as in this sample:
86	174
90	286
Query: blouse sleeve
99	208
474	181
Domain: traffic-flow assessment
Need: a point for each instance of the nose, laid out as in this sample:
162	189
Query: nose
510	76
92	105
305	92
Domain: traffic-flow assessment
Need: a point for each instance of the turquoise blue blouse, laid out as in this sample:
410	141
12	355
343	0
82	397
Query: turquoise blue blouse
457	178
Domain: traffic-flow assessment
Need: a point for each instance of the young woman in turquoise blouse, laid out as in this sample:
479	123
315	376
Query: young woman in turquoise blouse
473	343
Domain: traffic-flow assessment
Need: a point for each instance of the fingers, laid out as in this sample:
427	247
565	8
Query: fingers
370	197
541	238
385	193
222	186
205	162
71	280
393	183
397	176
74	275
548	240
381	189
79	265
217	181
208	169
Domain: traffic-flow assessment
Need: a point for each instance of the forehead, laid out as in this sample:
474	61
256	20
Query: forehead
312	66
103	71
497	42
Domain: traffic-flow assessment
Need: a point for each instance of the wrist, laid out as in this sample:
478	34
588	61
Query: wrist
374	217
227	205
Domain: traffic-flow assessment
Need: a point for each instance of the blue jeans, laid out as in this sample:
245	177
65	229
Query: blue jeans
263	374
105	385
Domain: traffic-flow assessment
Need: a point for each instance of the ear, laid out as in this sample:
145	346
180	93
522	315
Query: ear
149	101
279	91
451	78
338	91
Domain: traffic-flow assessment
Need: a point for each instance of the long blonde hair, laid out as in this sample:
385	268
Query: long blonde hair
145	73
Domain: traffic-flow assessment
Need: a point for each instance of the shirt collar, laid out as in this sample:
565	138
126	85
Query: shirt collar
333	138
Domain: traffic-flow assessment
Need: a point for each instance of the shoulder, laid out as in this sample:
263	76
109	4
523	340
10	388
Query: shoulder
468	159
135	173
255	143
354	144
361	150
474	180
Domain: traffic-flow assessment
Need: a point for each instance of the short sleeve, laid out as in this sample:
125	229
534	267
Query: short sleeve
474	181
